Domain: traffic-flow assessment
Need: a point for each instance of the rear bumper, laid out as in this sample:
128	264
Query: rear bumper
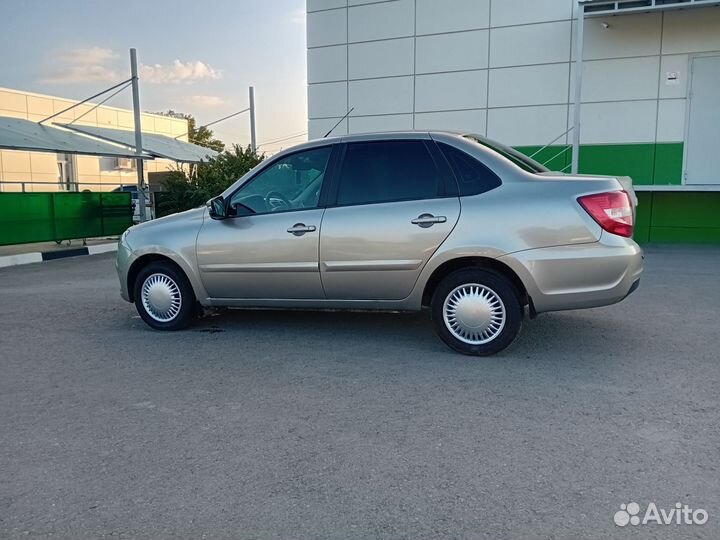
579	276
633	287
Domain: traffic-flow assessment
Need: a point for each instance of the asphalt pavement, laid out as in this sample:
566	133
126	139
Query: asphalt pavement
293	424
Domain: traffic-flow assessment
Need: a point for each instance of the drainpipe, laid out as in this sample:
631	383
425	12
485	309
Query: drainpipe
579	36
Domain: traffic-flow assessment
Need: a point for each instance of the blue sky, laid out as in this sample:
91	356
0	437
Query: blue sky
198	56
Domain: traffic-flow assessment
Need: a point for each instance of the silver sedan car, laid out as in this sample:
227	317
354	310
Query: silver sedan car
459	224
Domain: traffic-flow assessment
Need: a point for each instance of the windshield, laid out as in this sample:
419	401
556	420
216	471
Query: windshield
521	160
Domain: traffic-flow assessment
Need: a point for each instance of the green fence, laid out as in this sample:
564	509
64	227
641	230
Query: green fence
678	218
41	217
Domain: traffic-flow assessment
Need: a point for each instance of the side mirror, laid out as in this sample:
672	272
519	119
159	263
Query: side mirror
217	208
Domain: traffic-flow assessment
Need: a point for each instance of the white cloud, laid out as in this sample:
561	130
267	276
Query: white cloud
82	65
205	101
178	72
87	55
78	74
100	64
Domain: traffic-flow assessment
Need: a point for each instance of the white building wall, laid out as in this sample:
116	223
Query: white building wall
503	68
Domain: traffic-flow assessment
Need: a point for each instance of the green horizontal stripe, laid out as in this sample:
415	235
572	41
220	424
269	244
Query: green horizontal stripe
645	163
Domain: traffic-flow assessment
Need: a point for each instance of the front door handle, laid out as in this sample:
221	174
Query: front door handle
428	220
300	228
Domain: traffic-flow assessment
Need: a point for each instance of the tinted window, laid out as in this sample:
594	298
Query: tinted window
521	160
387	171
472	176
291	183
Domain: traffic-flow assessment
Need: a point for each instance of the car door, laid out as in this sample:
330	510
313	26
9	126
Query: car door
269	248
394	204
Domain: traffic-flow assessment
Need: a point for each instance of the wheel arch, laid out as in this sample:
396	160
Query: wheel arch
477	262
141	262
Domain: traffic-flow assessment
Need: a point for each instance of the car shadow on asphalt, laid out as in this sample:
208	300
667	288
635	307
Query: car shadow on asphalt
559	333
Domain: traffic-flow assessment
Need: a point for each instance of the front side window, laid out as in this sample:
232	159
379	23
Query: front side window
292	183
377	172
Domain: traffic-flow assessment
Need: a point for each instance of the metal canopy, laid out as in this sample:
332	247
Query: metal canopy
21	134
153	144
596	8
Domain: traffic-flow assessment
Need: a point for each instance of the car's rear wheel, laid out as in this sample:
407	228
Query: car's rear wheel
476	312
164	297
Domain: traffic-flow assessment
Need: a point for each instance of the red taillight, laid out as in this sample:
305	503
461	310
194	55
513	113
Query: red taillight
612	210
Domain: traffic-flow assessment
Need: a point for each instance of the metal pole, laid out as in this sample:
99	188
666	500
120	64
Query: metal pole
253	141
138	135
579	36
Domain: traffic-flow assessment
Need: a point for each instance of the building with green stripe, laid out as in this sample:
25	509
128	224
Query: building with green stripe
629	87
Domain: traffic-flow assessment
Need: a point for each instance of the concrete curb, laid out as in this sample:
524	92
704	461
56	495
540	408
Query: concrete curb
42	256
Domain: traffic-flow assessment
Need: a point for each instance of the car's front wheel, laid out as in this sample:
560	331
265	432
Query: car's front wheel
164	297
476	312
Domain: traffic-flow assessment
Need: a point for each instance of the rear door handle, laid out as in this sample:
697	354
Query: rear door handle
428	220
300	228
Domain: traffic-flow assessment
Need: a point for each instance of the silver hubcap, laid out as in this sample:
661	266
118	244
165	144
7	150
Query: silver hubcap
474	313
161	297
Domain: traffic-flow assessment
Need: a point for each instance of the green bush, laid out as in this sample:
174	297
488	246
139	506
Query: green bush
190	189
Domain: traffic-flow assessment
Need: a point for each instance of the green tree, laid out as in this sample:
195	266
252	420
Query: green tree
202	136
185	190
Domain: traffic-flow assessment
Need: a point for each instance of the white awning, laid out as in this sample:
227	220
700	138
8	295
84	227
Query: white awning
596	8
156	145
21	134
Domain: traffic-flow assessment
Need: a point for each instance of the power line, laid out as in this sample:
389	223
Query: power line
282	139
216	121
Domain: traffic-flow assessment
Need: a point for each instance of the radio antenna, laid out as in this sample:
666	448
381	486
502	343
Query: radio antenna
338	123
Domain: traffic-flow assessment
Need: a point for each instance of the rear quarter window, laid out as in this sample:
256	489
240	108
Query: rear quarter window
473	177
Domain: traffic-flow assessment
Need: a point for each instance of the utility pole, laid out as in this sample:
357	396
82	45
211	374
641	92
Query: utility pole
253	140
140	165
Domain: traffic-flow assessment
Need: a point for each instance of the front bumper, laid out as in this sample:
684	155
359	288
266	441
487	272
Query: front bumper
123	261
579	276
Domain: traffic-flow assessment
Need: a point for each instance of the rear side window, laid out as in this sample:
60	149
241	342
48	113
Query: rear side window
376	172
473	177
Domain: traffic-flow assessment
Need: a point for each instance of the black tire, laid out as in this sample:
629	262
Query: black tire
501	334
187	309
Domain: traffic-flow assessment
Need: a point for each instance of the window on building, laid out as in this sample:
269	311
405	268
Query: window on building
112	164
66	172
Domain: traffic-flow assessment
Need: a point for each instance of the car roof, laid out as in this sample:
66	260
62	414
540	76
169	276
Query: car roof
370	136
389	135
